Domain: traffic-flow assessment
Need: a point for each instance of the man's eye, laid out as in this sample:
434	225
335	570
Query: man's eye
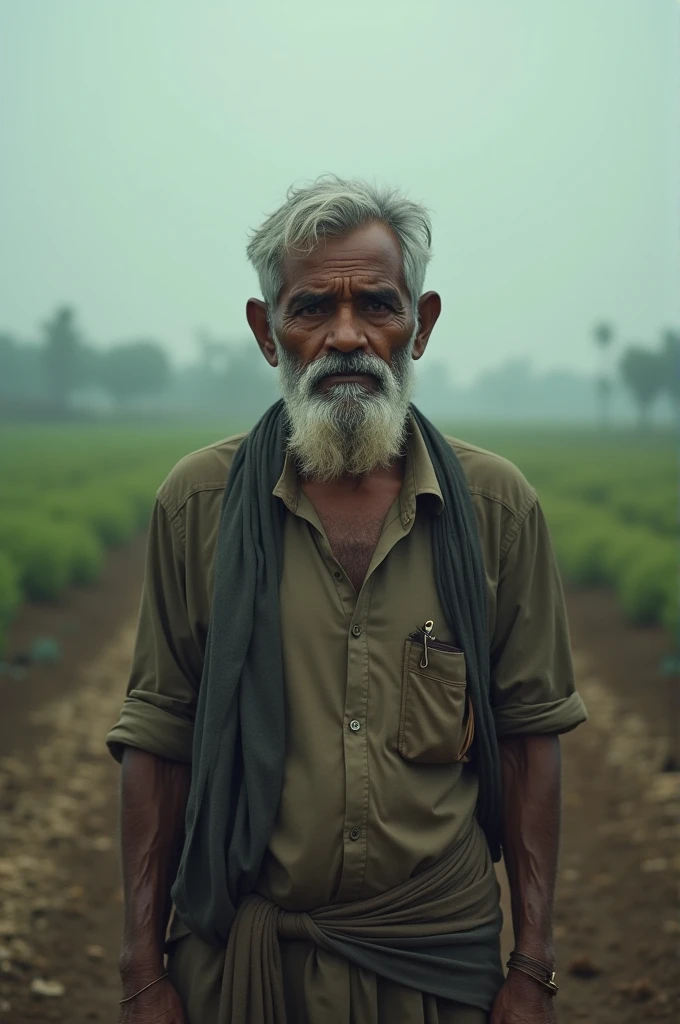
311	310
376	306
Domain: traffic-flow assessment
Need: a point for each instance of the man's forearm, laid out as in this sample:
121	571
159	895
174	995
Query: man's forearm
153	803
531	772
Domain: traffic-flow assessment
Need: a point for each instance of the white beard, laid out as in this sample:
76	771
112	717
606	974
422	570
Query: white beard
346	430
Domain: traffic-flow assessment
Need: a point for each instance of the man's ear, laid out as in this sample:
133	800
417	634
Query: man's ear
429	308
258	320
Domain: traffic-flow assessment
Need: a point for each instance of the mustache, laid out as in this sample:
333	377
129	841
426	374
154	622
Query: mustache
346	364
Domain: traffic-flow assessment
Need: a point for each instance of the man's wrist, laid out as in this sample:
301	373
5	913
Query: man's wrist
539	947
541	972
137	967
527	986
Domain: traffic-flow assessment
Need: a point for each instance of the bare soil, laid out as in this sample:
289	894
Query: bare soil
617	916
60	898
618	908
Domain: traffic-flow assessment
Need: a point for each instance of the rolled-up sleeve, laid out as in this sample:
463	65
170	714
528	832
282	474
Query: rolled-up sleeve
532	676
159	708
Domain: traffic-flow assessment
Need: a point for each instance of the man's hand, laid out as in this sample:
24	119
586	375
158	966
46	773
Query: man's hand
160	1004
522	1001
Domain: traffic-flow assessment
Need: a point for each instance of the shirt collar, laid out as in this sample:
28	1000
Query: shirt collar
419	474
287	487
419	478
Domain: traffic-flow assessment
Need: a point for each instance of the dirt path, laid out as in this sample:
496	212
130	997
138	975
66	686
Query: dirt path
58	876
617	916
59	888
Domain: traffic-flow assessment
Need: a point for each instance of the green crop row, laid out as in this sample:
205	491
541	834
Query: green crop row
612	504
51	540
69	493
593	549
634	478
647	502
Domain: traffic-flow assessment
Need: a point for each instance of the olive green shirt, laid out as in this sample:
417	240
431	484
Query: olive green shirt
374	788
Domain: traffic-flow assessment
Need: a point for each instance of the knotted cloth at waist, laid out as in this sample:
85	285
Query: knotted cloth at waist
437	932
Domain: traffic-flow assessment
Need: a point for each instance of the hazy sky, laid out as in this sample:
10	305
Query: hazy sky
141	139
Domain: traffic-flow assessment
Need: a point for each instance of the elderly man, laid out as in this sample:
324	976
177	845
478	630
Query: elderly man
351	671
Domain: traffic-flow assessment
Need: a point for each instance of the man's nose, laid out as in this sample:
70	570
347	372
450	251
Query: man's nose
346	333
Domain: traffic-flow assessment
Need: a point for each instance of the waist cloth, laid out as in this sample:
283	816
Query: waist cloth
438	932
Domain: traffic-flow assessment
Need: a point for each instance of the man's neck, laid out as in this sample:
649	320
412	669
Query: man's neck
352	510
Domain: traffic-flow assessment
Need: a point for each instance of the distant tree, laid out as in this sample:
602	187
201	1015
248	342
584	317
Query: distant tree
213	359
229	377
670	349
248	386
506	389
435	389
603	334
63	355
603	391
214	352
12	367
643	373
135	369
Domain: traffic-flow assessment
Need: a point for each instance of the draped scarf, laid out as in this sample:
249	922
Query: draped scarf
239	734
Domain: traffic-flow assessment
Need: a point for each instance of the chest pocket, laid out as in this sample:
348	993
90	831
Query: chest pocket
437	723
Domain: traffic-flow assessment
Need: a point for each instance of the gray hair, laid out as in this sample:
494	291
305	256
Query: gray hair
333	207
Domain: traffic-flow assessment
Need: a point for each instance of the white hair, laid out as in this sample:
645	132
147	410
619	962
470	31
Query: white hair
333	207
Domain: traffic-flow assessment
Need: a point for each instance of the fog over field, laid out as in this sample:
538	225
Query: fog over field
143	140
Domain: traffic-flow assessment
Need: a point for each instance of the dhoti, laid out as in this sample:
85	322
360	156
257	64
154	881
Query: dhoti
426	952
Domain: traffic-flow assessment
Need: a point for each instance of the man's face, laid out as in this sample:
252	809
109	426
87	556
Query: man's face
344	335
347	297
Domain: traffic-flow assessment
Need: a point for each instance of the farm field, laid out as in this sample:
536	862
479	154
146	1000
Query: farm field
87	491
613	506
70	493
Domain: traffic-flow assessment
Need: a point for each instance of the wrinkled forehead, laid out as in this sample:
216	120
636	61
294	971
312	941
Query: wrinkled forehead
369	253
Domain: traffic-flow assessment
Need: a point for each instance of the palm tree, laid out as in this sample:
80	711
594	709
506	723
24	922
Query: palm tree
604	336
643	373
62	355
671	357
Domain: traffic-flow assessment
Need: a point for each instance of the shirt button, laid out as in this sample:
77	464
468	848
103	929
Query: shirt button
356	629
354	725
337	574
354	834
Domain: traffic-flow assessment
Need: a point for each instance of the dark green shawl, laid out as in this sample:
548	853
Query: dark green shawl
239	738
